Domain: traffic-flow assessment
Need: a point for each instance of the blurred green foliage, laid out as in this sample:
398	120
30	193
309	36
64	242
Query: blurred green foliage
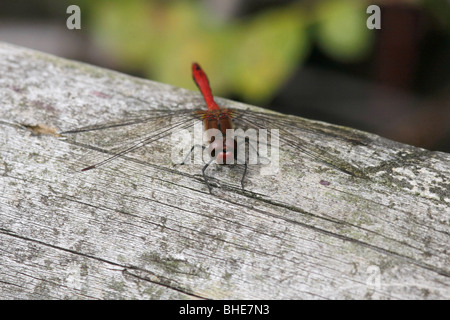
250	56
342	30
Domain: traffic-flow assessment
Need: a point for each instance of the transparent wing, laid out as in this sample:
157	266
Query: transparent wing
303	136
115	139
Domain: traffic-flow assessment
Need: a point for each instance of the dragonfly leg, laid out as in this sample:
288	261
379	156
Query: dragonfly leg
204	175
247	141
190	152
243	176
257	153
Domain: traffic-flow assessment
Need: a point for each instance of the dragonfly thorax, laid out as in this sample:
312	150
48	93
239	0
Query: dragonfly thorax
216	123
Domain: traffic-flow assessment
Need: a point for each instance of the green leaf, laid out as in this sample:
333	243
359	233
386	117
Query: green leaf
267	51
341	31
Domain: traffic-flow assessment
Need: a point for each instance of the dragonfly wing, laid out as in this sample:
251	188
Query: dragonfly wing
298	135
115	139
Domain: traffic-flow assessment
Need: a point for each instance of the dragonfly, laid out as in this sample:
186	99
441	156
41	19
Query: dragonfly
148	128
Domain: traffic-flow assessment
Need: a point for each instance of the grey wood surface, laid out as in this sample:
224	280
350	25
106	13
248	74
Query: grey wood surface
140	228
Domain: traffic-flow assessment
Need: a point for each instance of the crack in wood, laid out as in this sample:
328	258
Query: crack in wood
125	267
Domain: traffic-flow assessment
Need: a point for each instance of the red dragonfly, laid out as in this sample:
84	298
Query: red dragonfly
151	126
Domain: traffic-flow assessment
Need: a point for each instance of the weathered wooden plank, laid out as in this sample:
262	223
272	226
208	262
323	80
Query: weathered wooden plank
139	228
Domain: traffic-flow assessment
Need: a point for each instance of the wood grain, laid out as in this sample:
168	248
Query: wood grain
140	228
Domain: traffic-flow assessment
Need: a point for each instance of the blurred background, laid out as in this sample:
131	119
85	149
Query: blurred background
315	59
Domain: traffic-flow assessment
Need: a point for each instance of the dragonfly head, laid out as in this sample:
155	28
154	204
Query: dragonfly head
223	150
